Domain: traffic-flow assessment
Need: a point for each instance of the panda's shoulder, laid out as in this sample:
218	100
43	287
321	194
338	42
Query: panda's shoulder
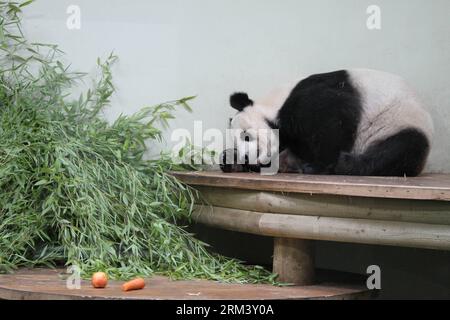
362	78
353	75
324	82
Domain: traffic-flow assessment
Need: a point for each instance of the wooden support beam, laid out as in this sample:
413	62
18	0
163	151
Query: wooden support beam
299	209
293	261
392	233
407	210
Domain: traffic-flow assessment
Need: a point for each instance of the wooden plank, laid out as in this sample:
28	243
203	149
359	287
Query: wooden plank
379	232
426	187
293	261
44	284
422	211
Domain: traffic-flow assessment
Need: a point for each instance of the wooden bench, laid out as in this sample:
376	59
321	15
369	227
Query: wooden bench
298	209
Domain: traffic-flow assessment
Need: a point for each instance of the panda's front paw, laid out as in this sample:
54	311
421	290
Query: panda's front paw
228	161
345	163
308	168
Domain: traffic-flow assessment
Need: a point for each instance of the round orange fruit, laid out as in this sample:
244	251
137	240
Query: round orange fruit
99	280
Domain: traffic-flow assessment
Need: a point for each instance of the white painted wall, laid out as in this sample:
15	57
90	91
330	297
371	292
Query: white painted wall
174	48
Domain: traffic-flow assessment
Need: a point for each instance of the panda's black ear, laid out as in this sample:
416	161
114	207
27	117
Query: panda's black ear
240	100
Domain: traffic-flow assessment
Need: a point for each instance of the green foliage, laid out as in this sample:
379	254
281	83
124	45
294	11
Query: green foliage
76	190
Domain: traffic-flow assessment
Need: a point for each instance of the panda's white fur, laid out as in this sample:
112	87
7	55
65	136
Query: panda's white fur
255	117
389	105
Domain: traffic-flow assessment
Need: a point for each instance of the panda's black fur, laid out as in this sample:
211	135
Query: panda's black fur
319	123
240	100
319	119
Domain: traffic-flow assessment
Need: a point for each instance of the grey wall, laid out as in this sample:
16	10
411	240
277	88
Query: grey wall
174	48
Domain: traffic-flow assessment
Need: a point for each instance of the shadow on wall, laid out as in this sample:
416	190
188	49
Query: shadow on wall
406	273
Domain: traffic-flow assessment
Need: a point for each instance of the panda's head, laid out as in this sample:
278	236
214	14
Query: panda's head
252	130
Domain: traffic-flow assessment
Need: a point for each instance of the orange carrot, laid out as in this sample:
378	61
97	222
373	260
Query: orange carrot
135	284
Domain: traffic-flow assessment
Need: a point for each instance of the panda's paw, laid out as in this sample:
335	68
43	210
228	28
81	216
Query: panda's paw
308	168
228	168
345	164
228	161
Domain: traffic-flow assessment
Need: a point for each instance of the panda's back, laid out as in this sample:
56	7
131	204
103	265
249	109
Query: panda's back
388	106
357	122
370	105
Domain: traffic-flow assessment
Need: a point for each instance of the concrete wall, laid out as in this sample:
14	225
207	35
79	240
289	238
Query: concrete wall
174	48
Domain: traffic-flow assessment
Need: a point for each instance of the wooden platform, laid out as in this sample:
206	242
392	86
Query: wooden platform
44	284
296	209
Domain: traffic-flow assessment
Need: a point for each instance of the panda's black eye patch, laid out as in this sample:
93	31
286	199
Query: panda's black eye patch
245	136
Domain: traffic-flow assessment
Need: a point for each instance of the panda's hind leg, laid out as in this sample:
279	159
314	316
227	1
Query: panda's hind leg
403	153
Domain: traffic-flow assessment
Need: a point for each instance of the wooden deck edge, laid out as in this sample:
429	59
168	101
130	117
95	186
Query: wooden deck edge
45	284
11	294
332	185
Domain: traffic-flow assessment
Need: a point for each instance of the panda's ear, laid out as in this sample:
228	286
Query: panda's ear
240	100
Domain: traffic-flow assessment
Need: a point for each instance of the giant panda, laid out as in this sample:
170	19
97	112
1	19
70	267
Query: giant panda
350	122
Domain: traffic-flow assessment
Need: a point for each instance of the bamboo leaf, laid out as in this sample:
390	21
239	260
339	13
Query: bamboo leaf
77	189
